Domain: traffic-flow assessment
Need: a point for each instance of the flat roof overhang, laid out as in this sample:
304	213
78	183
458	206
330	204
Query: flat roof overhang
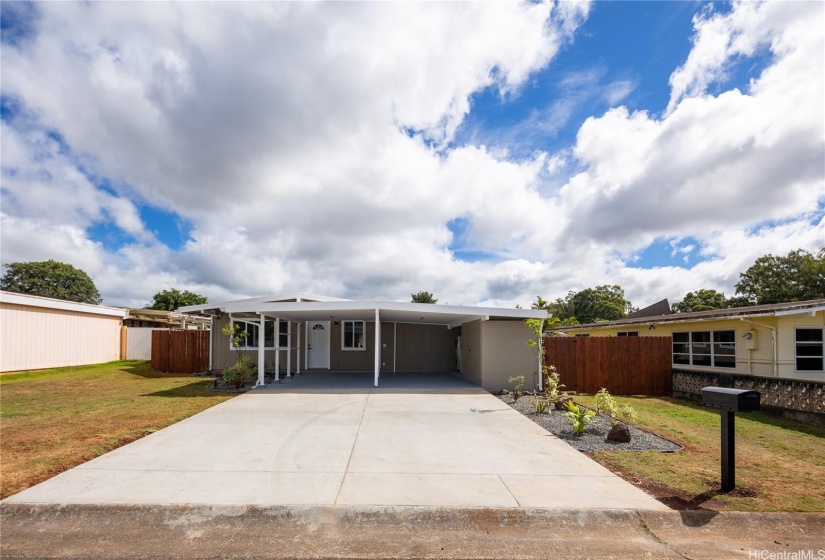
424	313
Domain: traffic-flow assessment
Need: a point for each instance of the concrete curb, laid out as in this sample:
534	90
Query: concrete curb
97	531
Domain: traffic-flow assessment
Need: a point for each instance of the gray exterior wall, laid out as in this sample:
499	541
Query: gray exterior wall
223	355
419	348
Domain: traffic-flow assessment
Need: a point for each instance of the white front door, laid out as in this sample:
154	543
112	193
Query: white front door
318	344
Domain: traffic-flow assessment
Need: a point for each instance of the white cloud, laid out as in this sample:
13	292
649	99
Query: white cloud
281	132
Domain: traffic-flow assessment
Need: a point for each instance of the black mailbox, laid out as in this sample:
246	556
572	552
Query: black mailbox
736	400
729	401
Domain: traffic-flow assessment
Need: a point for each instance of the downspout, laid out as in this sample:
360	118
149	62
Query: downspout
541	356
211	339
774	361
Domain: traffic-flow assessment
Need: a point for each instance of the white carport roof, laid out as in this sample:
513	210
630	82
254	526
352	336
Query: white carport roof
318	309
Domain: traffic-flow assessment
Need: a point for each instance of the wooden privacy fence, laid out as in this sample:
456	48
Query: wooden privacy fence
634	365
179	351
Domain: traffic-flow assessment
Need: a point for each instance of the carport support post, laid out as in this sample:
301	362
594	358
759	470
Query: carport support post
298	349
289	348
261	354
728	451
377	346
278	349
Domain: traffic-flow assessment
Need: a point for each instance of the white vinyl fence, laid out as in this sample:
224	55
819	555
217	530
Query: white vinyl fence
139	343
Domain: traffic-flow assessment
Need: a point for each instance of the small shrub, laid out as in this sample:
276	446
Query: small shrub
551	389
518	383
540	403
579	417
606	404
240	373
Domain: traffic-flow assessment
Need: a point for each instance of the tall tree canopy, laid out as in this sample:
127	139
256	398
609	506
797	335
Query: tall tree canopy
798	276
169	300
591	305
50	279
423	297
701	300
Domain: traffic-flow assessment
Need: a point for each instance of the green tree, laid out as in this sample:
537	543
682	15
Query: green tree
169	300
591	305
602	303
701	300
50	279
423	297
798	276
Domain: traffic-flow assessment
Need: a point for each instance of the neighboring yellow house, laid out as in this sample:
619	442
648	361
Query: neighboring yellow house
783	340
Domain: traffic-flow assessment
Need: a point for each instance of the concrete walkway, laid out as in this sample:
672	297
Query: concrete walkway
304	443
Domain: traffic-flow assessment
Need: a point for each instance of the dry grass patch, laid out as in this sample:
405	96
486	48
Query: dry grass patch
53	420
780	464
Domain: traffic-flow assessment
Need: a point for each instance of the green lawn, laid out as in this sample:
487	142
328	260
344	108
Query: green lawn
780	464
55	419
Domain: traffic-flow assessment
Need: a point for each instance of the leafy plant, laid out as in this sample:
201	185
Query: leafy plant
606	404
580	417
240	373
540	403
552	383
518	383
242	370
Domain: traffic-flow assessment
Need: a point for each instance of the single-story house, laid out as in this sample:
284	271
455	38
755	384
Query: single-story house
784	340
306	332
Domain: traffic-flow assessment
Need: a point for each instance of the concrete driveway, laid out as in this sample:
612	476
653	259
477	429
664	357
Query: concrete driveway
331	441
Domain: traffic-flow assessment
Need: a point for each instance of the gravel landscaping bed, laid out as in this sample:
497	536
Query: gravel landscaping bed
595	437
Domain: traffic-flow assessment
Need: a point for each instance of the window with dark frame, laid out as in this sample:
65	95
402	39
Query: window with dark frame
250	341
627	333
705	348
353	337
810	349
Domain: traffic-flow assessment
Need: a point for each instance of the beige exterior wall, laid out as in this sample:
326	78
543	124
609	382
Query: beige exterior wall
754	357
504	353
471	351
40	337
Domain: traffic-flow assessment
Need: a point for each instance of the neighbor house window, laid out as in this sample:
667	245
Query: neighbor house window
353	335
628	333
810	350
705	348
250	341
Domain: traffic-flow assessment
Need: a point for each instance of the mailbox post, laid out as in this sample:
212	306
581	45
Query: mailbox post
729	401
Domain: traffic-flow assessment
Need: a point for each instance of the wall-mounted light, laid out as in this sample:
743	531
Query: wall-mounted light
747	335
652	328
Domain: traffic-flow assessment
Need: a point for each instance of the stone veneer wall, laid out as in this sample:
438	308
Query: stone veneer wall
799	400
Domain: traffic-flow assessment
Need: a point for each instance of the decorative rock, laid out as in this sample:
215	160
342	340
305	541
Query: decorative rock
619	433
561	404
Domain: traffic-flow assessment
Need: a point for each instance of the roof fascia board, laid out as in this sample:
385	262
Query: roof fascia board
50	303
424	308
680	321
812	311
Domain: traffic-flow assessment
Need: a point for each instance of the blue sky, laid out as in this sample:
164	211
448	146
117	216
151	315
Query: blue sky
485	152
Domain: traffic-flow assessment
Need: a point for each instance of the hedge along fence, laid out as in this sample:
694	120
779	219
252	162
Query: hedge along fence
180	351
634	365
